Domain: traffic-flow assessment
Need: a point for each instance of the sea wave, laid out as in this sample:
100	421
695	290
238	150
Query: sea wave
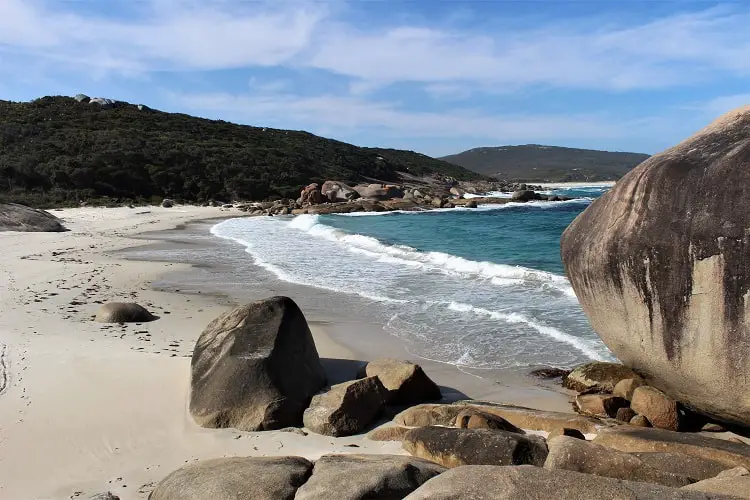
496	274
536	204
585	346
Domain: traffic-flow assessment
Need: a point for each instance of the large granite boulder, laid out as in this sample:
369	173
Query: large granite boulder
311	195
389	433
347	408
597	376
697	468
659	264
486	482
404	381
600	405
584	456
471	418
735	482
642	440
338	191
235	478
255	368
452	447
15	217
380	192
123	312
660	410
366	477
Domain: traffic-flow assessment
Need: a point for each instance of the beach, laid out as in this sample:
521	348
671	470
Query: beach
87	407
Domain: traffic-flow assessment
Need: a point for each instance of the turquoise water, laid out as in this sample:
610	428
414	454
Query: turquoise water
480	288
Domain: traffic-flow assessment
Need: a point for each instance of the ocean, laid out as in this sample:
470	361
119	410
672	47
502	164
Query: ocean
476	288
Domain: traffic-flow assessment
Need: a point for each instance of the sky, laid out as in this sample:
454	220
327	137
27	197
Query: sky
434	76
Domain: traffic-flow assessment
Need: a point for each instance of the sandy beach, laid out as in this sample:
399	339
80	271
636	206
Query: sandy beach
87	407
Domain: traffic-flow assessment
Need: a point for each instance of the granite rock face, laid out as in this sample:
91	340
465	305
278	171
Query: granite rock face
14	217
255	368
660	265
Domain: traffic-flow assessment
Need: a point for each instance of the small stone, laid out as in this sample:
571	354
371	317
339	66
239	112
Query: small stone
713	427
660	410
625	388
600	405
625	415
640	421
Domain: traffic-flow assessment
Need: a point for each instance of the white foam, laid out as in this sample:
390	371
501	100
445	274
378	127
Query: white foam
497	274
578	343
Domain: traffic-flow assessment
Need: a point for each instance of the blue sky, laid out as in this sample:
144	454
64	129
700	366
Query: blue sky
435	76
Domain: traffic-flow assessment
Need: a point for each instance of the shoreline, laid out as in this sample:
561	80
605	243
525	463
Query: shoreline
109	402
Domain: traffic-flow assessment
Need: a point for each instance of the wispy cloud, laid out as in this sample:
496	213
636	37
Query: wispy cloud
723	104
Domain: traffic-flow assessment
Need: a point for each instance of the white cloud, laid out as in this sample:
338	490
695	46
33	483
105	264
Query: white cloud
723	104
345	114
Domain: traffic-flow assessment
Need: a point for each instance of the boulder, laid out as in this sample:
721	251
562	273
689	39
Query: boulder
14	217
659	265
574	433
734	482
390	433
366	477
549	373
82	98
473	419
103	102
640	421
347	408
123	312
713	427
524	418
311	195
258	478
167	203
255	368
104	496
338	191
584	456
638	439
597	376
457	192
626	388
625	415
660	410
380	192
696	468
471	204
524	195
454	447
485	482
437	202
404	381
599	405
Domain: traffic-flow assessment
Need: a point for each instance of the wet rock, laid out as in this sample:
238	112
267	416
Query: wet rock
255	368
584	456
454	447
404	381
123	312
484	482
660	410
14	217
549	373
346	408
597	375
235	478
366	477
659	264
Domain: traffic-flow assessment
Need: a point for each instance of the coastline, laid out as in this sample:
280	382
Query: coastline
109	403
569	185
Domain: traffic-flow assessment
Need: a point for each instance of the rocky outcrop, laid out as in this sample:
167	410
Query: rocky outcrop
347	408
404	381
338	191
104	102
660	410
478	482
255	368
235	478
123	312
366	477
524	418
455	447
525	195
380	192
597	376
14	217
659	264
584	456
638	439
310	195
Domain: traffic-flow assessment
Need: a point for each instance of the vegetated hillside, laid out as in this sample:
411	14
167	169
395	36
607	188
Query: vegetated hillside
56	150
537	163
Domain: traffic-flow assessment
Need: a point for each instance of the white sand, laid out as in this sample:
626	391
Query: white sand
88	409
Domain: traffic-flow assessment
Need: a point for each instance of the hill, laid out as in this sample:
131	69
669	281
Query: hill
535	163
57	150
